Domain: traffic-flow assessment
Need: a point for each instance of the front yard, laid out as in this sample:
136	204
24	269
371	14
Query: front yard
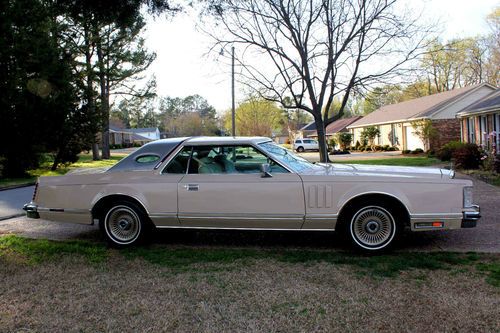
85	161
84	286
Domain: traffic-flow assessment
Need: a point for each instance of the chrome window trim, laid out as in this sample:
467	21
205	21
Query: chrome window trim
175	153
171	157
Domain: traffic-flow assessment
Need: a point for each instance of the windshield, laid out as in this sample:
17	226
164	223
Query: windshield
294	162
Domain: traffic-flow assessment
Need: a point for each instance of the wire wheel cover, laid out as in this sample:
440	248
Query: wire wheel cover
372	226
123	224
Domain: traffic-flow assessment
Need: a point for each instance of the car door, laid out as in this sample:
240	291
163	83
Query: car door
224	188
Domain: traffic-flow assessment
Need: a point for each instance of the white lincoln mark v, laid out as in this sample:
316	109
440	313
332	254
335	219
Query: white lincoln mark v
252	183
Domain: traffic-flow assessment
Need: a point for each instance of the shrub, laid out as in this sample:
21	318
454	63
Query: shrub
331	144
417	151
367	149
357	145
406	151
392	148
467	157
344	139
446	151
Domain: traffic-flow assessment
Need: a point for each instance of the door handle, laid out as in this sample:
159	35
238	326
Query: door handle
192	187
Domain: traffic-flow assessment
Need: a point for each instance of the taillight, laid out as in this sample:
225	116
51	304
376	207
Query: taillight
34	192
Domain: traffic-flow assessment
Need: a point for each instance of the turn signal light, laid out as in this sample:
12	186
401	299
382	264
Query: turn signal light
437	224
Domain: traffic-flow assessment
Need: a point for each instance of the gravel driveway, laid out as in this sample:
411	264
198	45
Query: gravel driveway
484	238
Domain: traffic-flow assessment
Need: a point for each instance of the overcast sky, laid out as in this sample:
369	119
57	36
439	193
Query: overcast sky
182	67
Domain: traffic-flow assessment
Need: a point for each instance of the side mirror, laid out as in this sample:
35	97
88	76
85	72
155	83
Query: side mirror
265	170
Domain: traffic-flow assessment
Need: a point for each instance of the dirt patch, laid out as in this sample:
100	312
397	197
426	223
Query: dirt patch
121	295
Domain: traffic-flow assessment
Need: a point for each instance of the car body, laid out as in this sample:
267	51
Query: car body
304	144
252	183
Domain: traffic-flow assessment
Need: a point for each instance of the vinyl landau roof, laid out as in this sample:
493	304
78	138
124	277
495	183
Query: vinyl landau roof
162	148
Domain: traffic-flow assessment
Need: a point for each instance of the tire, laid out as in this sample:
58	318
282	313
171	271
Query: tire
372	227
300	149
125	224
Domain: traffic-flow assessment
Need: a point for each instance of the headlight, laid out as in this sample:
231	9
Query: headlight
468	197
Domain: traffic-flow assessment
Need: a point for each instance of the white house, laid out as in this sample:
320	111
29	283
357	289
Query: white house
395	121
152	133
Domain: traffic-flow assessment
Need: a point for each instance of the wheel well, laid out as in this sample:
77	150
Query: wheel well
102	205
398	206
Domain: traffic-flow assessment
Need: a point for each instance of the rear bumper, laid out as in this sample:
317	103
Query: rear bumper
31	210
471	216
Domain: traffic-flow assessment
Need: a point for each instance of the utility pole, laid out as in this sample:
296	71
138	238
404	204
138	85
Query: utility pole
233	122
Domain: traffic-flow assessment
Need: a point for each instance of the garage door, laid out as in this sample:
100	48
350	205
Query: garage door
412	141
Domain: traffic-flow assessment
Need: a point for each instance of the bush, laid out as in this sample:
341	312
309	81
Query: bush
406	151
417	151
446	151
392	149
467	157
431	153
367	149
357	145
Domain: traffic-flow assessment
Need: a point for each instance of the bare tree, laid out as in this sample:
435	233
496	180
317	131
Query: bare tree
318	49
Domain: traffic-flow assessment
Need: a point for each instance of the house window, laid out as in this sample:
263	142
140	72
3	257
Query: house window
483	131
471	129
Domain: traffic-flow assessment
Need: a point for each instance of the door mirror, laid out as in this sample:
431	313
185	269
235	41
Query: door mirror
265	170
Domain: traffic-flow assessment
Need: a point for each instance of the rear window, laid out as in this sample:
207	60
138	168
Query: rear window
298	141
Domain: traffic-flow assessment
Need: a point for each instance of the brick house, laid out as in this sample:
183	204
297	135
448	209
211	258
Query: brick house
395	121
480	122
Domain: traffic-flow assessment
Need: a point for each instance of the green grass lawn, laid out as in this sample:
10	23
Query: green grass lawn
35	251
84	161
399	161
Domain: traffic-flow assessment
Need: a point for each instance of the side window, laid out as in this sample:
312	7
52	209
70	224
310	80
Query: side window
179	163
229	159
298	141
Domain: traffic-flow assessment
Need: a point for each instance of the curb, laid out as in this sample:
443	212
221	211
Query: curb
3	218
12	187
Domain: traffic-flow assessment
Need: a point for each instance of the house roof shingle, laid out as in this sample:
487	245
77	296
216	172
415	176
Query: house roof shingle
338	125
489	102
143	130
422	107
309	127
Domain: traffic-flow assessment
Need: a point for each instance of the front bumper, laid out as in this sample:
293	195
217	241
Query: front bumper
470	217
31	210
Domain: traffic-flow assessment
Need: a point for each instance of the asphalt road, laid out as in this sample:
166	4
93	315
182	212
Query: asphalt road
12	201
484	238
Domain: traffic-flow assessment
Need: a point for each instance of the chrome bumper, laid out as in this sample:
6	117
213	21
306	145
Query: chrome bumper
31	210
471	217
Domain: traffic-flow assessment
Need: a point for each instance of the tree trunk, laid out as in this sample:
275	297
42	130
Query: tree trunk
106	154
89	90
323	148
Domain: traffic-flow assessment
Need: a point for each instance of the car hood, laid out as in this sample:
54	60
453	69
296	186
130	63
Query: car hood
379	170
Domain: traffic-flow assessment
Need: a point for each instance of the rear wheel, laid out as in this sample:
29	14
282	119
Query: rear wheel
373	227
124	224
300	149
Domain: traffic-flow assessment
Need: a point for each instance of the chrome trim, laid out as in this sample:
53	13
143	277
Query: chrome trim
321	216
239	217
173	154
235	228
63	210
373	192
94	202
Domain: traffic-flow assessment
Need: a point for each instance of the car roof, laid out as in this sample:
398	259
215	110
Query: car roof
210	140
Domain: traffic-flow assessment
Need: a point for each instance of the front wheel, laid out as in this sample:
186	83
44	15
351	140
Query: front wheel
124	224
300	149
372	228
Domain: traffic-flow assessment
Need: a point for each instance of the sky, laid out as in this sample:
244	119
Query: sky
183	66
